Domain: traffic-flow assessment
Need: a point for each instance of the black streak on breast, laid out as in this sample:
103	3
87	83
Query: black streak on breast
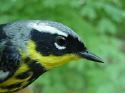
12	86
23	75
37	70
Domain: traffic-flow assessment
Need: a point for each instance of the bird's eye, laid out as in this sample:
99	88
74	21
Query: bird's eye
60	42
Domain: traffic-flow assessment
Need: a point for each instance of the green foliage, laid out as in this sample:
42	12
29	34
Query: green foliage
105	14
99	23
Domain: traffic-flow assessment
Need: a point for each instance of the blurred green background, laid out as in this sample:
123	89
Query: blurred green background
100	23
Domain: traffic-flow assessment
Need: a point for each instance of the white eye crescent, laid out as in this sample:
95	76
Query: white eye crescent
60	42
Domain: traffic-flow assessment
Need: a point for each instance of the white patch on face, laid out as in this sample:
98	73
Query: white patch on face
42	27
59	47
3	74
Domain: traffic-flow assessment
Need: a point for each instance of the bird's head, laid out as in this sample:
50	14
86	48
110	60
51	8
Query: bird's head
53	44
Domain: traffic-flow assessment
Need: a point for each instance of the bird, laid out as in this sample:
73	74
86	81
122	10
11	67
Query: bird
29	48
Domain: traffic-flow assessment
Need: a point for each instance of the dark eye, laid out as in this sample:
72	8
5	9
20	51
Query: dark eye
61	41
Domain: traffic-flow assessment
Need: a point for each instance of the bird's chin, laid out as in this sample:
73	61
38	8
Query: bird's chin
89	56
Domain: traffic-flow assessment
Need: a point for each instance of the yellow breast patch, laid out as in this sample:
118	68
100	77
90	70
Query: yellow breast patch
8	85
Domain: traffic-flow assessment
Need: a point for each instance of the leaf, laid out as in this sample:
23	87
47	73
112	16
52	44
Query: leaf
106	26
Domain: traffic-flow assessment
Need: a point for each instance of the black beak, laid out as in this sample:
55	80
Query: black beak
88	55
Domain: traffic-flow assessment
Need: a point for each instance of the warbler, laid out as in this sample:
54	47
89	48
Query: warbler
30	48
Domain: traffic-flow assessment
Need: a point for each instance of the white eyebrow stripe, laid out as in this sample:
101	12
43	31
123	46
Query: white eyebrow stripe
47	29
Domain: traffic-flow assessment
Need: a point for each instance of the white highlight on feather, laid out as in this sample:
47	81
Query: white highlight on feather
3	74
43	27
59	47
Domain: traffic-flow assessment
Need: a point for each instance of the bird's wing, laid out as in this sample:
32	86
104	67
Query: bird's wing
9	56
9	53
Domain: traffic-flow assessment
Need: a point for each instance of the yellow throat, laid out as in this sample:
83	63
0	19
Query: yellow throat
48	61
